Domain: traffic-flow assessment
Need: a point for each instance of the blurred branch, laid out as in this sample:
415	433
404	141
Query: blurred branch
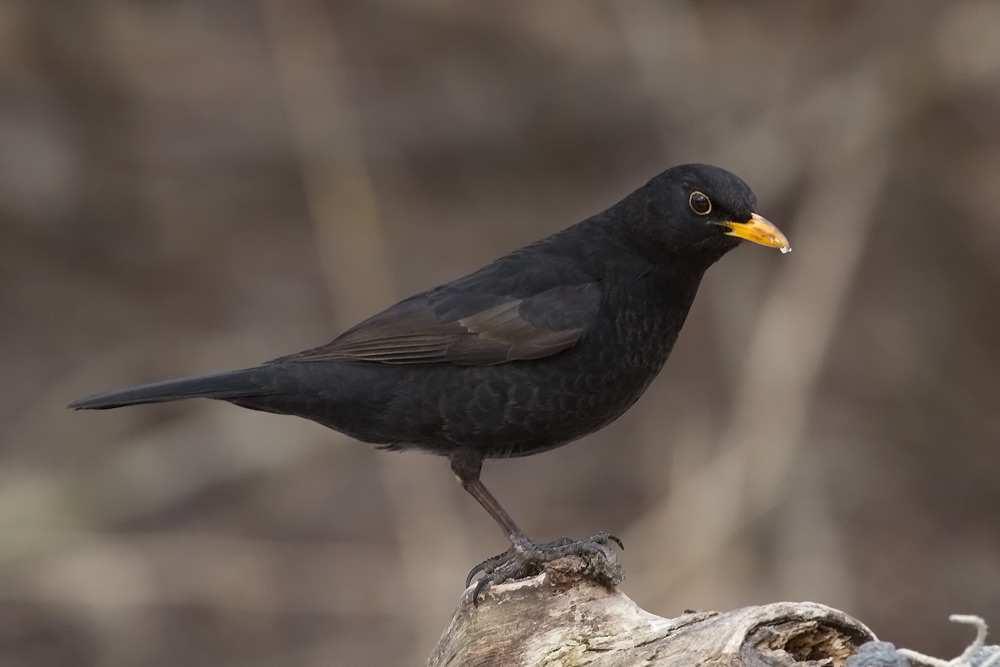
342	204
328	135
121	574
785	354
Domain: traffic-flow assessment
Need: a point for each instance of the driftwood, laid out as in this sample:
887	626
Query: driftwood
563	617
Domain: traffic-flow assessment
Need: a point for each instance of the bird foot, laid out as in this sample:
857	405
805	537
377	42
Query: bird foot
527	559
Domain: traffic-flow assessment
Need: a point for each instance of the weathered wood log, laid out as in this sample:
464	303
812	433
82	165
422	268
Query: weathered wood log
563	617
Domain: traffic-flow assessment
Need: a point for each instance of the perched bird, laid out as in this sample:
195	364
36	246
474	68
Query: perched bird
538	348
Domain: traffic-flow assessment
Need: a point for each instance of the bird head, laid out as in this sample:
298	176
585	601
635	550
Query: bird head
701	210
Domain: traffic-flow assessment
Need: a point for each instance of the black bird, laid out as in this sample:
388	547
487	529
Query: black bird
538	348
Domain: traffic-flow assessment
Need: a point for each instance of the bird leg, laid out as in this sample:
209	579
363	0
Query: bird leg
526	558
467	465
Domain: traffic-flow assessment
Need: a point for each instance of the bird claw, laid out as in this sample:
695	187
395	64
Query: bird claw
527	560
614	538
487	565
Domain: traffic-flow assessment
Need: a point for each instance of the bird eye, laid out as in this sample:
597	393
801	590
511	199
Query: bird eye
700	203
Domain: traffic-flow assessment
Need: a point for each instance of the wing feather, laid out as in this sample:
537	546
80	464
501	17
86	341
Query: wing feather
506	329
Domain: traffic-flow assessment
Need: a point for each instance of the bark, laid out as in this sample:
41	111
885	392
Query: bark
562	617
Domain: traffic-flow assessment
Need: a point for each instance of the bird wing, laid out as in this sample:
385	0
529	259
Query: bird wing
458	325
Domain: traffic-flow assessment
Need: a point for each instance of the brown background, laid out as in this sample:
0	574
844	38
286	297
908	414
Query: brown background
192	186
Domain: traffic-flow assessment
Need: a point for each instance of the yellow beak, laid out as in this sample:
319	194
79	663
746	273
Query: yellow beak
758	230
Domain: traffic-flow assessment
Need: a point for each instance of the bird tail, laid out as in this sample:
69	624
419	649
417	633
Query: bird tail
229	385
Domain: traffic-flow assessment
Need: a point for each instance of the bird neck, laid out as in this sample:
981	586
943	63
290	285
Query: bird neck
665	284
600	246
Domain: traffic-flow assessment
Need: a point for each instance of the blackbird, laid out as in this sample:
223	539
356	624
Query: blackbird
544	345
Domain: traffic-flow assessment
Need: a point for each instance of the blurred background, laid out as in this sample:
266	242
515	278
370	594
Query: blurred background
189	186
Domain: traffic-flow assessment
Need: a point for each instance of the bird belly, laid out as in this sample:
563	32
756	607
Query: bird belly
525	407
